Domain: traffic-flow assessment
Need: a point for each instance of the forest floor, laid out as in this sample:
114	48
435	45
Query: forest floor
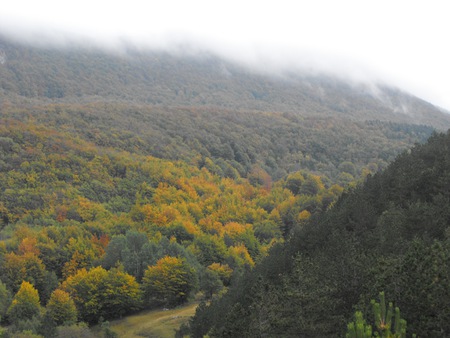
154	323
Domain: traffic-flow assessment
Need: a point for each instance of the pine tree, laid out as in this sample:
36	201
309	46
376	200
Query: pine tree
387	322
359	328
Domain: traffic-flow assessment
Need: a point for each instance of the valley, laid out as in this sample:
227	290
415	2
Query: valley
138	180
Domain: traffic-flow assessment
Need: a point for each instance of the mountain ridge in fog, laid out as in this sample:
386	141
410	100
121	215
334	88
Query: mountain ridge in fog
190	77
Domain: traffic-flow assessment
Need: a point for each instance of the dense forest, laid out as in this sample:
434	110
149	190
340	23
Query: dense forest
234	144
106	230
139	180
389	234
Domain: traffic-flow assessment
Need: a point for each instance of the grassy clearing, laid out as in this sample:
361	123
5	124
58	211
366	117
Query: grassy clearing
153	324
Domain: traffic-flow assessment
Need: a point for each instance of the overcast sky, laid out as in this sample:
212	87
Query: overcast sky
405	43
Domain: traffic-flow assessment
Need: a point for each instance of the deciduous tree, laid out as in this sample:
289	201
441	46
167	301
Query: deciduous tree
100	293
61	308
25	303
168	282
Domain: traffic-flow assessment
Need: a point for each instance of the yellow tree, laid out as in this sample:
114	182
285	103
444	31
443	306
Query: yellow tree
101	293
169	282
303	216
25	304
241	255
122	294
83	287
224	272
28	267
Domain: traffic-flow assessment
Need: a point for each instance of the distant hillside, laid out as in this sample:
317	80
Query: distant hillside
233	144
205	110
159	78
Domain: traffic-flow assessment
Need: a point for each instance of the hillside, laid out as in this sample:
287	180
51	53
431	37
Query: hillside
389	234
233	143
96	225
137	179
195	108
175	79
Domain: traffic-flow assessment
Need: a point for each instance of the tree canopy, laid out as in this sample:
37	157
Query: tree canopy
390	233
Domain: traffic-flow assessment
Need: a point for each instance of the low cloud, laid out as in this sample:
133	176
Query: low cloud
358	42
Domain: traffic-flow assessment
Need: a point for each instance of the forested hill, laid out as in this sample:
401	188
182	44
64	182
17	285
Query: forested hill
136	179
212	113
82	74
390	234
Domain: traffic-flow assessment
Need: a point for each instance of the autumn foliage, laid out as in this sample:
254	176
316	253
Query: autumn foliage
100	233
169	282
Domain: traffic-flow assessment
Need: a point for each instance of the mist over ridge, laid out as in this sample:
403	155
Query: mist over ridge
279	63
186	74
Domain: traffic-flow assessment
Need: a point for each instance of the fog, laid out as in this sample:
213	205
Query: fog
400	43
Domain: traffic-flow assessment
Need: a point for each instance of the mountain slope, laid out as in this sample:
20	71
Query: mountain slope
236	142
161	78
389	234
81	197
202	108
71	211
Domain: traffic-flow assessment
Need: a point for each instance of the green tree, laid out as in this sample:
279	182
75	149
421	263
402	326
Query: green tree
294	182
25	304
113	252
209	250
267	230
28	267
347	167
423	287
100	293
359	328
210	283
61	308
107	331
387	322
5	300
80	330
312	185
133	254
132	250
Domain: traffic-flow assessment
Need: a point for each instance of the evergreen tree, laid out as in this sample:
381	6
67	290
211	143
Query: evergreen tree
5	300
387	322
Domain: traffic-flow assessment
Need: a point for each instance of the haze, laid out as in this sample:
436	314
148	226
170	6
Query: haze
403	43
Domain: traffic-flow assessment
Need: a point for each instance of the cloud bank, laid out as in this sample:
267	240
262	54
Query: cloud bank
401	43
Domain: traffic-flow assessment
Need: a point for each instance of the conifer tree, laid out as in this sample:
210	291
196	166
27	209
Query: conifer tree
387	322
5	300
359	328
